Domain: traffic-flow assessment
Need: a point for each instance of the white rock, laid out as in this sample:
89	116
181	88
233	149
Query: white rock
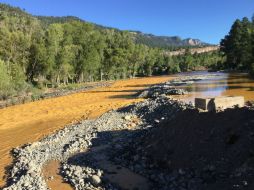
95	180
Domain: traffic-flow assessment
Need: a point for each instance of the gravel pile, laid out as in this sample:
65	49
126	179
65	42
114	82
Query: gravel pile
159	90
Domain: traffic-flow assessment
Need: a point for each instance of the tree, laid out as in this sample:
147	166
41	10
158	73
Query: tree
150	60
245	53
136	58
172	65
54	38
252	47
237	44
37	67
64	66
231	44
187	61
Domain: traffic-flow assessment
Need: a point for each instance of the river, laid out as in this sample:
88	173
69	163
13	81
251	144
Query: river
222	84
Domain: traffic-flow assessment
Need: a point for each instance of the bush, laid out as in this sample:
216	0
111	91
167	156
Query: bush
18	78
12	81
6	88
174	68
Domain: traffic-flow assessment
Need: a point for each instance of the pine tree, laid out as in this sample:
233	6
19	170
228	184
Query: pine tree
231	45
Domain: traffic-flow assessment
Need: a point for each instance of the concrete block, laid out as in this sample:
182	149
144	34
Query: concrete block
219	103
202	103
228	102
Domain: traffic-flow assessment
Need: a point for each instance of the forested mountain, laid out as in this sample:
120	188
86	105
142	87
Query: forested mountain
238	45
36	52
150	40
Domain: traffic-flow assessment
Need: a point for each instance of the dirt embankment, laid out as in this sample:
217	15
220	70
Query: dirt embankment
202	151
30	122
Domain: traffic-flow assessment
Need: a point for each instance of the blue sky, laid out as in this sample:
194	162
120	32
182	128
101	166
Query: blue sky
208	20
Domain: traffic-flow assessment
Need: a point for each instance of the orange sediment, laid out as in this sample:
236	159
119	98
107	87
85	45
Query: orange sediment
30	122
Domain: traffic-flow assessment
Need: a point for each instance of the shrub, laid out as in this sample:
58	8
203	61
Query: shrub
6	88
18	78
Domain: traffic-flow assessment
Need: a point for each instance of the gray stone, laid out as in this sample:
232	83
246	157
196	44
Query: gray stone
95	180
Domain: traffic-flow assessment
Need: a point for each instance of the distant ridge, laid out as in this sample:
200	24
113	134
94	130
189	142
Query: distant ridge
166	41
139	37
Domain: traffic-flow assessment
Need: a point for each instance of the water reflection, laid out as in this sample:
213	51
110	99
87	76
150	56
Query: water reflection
222	84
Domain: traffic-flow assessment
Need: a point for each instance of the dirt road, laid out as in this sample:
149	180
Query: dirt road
29	122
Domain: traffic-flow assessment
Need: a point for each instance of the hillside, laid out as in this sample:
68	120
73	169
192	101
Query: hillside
168	42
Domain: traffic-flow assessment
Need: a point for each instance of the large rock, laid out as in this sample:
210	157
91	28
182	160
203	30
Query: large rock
95	180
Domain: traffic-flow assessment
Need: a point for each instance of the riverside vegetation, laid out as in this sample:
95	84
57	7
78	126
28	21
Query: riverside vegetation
238	46
45	52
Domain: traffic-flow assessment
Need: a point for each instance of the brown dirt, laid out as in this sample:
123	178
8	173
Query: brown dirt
52	169
30	122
